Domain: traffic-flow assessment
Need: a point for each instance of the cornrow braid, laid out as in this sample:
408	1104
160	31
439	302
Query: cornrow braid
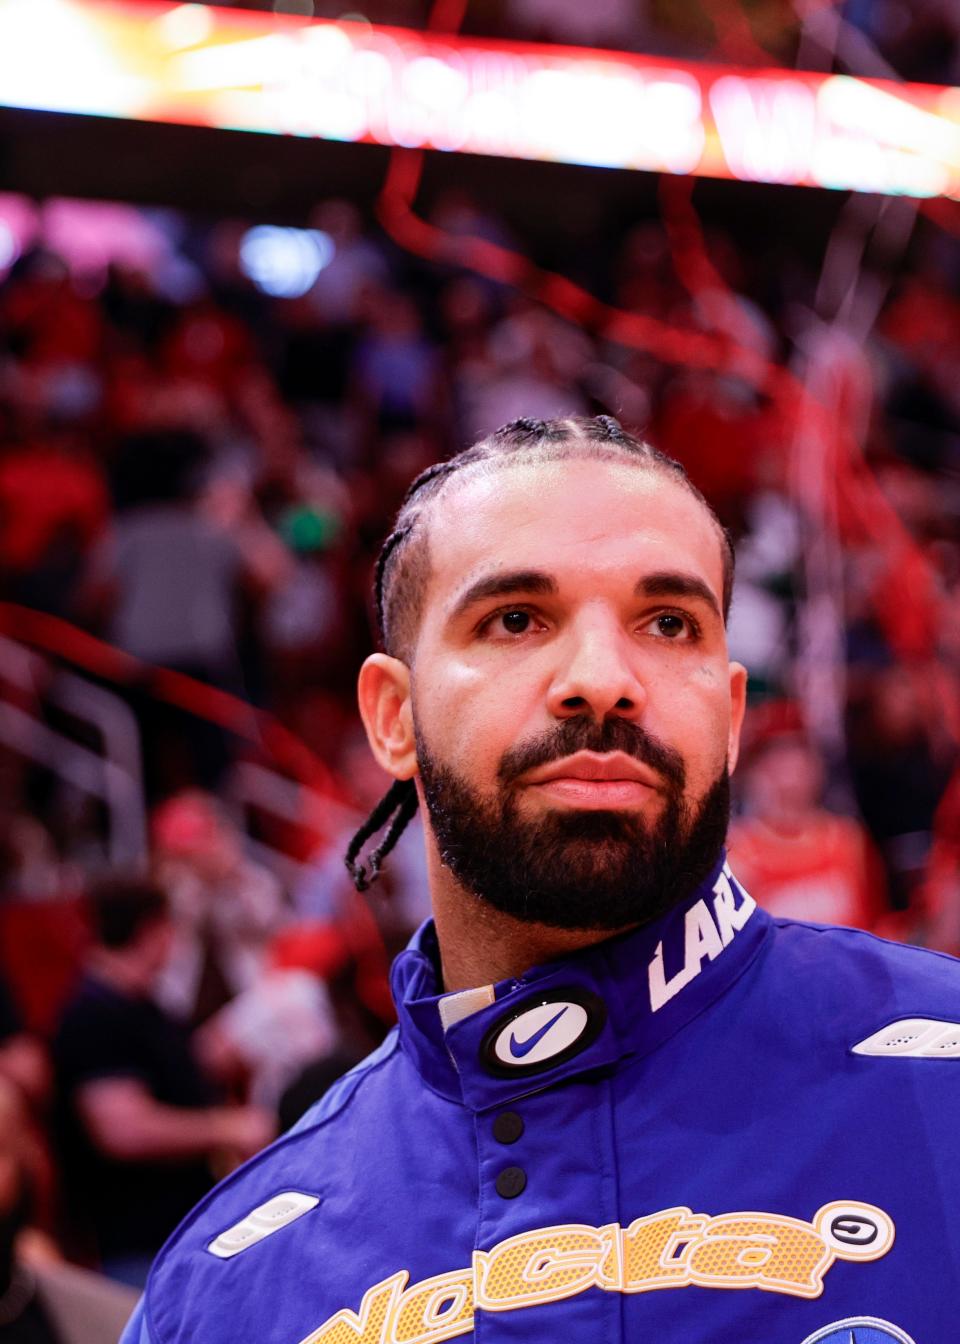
402	567
400	533
611	431
394	810
525	431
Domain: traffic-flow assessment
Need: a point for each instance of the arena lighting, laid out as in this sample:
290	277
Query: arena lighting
288	75
284	263
9	248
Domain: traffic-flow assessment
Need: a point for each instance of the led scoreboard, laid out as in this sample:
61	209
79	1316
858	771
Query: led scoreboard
354	81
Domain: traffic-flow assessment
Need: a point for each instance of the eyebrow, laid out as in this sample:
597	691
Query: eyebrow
502	585
663	583
670	583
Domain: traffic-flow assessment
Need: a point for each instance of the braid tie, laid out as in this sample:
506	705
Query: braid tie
394	810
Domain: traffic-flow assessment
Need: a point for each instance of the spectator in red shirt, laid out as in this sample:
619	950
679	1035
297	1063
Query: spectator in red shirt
802	861
53	508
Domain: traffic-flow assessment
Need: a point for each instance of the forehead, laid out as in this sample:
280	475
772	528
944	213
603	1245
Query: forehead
584	520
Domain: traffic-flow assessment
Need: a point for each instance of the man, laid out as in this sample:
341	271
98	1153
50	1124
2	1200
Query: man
621	1104
137	1118
225	908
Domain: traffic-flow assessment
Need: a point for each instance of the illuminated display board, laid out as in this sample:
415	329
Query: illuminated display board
253	71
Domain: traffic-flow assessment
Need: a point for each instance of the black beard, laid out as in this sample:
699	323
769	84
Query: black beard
568	869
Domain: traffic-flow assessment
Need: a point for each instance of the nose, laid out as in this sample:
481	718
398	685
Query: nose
597	672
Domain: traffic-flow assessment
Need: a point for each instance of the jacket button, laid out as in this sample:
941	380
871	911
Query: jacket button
507	1127
511	1182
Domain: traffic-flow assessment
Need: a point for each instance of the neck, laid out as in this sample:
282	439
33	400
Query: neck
479	945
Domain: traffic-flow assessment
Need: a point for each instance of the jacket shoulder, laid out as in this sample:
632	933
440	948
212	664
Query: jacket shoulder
851	946
861	978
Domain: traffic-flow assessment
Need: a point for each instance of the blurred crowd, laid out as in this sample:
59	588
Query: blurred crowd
199	476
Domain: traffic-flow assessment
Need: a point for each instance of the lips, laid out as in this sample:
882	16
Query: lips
591	766
593	780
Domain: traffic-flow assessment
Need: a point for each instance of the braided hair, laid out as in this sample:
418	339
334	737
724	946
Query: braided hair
402	568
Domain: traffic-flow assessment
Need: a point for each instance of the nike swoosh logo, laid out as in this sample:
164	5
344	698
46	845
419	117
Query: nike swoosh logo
520	1048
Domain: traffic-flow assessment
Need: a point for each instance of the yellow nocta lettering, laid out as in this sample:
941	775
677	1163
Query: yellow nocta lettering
670	1249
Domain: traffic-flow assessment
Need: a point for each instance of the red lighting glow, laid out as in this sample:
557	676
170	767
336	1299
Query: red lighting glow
357	82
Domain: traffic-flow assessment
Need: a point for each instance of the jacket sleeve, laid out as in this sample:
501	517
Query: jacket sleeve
136	1331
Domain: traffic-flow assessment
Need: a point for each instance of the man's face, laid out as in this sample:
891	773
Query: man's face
574	706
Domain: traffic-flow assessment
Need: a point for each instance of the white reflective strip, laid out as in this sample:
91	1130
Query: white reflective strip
455	1007
261	1222
914	1038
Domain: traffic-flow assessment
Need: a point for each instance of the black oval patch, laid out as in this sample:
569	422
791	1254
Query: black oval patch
596	1015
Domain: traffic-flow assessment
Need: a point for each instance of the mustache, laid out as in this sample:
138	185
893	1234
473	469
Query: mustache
584	733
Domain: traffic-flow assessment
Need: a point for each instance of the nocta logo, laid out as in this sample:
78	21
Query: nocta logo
670	1249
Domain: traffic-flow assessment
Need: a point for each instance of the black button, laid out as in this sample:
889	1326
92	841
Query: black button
511	1182
507	1127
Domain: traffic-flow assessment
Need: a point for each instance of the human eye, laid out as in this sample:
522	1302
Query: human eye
676	626
509	623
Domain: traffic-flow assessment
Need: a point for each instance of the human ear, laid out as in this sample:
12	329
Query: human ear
383	691
738	705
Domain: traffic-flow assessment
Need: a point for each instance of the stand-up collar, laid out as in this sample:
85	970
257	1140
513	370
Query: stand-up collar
621	997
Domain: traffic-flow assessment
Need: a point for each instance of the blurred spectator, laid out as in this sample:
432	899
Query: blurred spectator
768	557
901	761
396	370
533	366
53	508
938	905
224	907
25	1068
30	868
208	348
801	861
23	1319
261	1040
169	579
138	1121
42	1299
57	335
170	572
23	1060
714	427
357	267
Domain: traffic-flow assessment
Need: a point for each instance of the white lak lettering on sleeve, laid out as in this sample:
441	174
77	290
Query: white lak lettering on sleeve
708	929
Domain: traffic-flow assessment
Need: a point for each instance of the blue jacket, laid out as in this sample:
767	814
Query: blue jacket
718	1129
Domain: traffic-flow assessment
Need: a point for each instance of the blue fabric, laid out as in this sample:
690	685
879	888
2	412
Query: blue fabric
713	1166
136	1331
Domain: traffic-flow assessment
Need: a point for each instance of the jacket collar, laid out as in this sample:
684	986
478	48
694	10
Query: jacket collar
629	994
